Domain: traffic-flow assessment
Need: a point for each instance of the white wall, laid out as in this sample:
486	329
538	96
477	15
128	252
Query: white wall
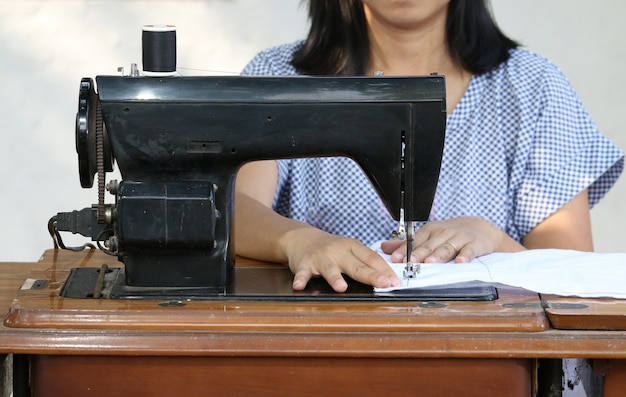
47	46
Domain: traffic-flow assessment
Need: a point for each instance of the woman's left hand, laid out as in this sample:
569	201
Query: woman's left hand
459	239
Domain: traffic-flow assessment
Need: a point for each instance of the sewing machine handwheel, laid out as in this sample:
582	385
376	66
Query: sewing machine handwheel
88	124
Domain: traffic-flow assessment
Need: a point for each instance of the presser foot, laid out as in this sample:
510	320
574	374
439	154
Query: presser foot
411	270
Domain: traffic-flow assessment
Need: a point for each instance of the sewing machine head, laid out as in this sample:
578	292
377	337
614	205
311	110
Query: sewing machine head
179	142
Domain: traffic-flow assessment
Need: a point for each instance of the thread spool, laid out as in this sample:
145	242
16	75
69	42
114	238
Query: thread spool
158	50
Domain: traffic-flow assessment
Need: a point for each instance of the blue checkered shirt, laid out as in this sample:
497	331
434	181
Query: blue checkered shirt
518	146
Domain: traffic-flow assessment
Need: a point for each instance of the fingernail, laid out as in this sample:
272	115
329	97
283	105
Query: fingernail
341	283
383	281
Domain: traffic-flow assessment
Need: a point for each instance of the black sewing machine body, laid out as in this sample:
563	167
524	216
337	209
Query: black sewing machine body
180	141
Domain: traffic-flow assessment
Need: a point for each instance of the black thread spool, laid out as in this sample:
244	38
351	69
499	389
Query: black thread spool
159	50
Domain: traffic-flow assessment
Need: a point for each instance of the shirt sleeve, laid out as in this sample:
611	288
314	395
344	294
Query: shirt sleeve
275	61
566	154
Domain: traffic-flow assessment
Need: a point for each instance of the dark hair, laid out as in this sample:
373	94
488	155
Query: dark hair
338	43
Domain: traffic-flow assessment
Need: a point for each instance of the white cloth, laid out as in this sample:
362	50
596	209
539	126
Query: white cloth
546	271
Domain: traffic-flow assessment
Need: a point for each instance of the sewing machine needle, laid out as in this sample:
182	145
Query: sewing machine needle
411	269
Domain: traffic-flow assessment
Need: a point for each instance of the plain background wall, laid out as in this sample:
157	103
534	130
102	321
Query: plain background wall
47	46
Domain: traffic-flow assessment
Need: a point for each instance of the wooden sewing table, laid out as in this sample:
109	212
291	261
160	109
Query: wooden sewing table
113	347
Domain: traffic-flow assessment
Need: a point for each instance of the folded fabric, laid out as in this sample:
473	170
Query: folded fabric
547	271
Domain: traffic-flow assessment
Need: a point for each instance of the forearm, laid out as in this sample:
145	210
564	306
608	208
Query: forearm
260	233
567	228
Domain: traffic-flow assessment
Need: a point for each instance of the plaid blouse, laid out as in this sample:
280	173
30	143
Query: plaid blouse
519	145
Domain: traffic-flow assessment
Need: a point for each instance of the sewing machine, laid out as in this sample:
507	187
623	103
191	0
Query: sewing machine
179	142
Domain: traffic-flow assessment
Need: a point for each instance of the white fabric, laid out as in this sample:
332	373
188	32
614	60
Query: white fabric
546	271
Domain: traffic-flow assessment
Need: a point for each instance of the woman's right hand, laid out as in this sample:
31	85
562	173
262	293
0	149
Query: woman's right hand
262	234
312	252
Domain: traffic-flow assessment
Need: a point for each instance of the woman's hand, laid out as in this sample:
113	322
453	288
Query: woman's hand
466	238
459	239
262	234
312	252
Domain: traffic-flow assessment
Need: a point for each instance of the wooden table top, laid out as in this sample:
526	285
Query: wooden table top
518	324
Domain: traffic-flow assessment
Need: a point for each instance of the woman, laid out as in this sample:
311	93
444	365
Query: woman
522	164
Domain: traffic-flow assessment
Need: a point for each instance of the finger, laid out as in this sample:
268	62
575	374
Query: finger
370	268
366	275
466	254
331	272
429	248
396	249
445	252
400	254
424	233
336	281
424	243
390	245
301	278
